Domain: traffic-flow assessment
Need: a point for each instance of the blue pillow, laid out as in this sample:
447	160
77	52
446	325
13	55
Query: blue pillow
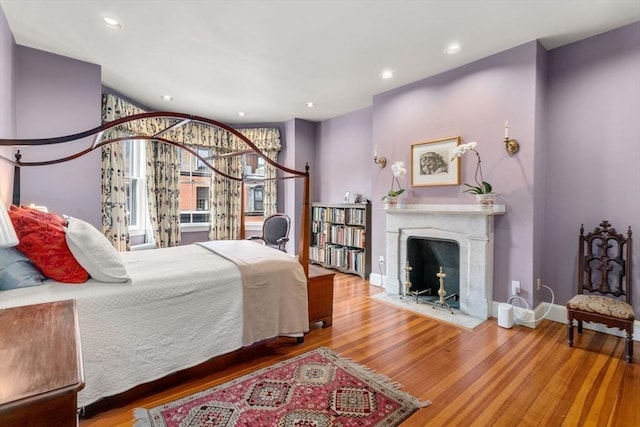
17	271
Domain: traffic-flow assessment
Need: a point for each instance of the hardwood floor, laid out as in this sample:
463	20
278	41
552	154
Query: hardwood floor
488	376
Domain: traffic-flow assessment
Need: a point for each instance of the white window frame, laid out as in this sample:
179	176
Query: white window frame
139	221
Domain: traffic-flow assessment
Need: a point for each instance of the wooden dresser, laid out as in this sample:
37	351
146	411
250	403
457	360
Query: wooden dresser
40	365
320	291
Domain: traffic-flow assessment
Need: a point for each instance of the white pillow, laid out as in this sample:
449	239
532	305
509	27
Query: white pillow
94	252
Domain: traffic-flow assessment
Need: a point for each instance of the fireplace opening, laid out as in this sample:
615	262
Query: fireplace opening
426	256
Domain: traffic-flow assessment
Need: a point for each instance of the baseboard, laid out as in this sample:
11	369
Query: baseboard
558	313
532	317
376	279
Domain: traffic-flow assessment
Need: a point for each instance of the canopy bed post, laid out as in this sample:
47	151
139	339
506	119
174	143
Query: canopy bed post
16	179
243	199
305	232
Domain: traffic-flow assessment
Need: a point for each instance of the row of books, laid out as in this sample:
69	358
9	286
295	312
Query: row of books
339	256
353	216
342	235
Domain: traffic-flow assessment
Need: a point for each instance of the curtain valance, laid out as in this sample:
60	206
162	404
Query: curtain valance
191	133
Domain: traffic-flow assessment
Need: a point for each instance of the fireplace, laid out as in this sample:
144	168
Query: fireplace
470	227
427	258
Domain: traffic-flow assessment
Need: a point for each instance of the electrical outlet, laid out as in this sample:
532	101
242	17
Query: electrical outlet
538	284
381	260
515	287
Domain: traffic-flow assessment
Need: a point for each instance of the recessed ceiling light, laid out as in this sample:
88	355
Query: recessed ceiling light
242	113
453	48
310	104
167	97
112	23
387	74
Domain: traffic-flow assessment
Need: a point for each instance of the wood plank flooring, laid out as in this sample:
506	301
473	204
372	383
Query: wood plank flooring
488	376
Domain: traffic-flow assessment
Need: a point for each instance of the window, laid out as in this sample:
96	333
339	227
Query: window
135	182
195	180
254	167
136	188
202	198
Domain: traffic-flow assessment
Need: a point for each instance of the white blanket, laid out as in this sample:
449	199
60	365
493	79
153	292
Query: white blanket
183	307
275	289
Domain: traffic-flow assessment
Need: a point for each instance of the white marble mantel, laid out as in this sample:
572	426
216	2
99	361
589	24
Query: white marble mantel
471	226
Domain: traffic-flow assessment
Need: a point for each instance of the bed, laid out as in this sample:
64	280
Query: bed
181	306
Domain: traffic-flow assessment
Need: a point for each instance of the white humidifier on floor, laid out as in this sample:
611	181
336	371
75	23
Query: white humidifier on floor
505	315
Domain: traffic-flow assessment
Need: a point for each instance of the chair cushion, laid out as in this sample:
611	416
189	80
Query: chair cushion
602	305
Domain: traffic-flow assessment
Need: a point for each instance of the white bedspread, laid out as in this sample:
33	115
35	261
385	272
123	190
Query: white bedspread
183	307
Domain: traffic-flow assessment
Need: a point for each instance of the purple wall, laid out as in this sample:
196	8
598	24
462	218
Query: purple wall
7	106
300	135
472	102
569	108
58	96
343	160
593	153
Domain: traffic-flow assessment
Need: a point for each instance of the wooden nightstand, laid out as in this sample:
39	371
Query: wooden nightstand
320	291
40	365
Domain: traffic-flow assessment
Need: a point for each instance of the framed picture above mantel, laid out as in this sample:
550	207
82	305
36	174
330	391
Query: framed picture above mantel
431	165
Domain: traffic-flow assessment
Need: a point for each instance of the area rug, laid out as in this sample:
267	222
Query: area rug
315	389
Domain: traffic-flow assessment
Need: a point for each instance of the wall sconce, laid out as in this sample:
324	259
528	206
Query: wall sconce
511	145
382	161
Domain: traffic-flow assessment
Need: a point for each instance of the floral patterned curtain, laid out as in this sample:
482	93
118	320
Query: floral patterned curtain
163	173
163	181
115	221
225	195
163	185
225	200
115	218
268	141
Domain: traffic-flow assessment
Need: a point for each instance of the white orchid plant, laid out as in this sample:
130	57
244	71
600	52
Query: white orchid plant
399	170
482	186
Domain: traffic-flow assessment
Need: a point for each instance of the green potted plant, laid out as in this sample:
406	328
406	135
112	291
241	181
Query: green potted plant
398	170
482	190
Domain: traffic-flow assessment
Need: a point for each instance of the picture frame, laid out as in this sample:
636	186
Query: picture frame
431	163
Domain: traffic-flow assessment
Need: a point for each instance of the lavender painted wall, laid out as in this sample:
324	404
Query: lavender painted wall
539	164
299	151
57	96
594	149
7	106
344	157
472	102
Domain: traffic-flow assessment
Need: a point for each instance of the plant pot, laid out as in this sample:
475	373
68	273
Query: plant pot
486	200
390	202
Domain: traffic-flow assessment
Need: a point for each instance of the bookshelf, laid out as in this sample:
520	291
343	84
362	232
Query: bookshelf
340	237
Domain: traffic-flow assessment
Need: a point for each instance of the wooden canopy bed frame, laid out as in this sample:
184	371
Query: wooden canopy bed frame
322	289
183	118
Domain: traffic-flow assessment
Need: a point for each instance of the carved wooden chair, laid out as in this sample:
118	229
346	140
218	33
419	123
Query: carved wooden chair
275	231
604	283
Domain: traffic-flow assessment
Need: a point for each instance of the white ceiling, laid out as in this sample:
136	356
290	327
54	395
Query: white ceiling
269	57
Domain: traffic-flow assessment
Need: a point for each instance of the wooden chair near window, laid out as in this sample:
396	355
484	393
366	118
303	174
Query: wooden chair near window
604	283
275	231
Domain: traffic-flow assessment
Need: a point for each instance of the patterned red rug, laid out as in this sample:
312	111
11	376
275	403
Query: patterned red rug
315	389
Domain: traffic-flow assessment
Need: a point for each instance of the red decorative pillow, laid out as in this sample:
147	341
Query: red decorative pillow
40	215
44	243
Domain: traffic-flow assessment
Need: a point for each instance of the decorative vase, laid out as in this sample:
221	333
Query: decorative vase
486	200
